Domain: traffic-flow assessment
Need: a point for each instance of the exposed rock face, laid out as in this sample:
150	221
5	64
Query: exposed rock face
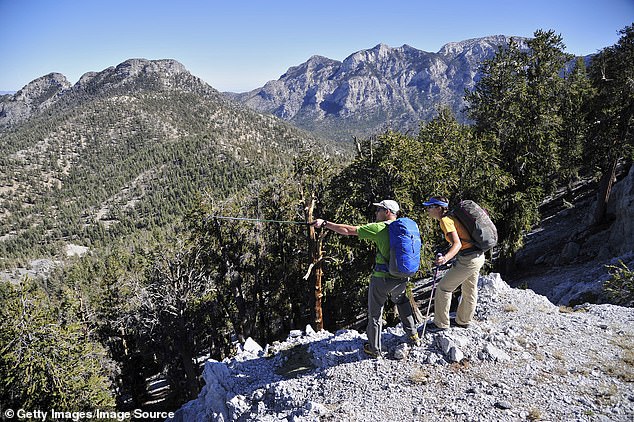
36	96
621	205
371	88
160	72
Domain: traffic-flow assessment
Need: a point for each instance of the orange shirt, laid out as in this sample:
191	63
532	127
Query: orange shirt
448	225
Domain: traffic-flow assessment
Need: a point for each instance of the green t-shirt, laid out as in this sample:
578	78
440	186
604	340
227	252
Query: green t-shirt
377	233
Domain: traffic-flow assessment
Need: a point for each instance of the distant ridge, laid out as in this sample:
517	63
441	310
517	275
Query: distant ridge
375	88
54	89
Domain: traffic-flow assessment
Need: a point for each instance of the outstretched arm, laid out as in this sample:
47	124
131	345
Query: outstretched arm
344	229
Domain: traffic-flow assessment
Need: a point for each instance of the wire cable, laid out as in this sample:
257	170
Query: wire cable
259	220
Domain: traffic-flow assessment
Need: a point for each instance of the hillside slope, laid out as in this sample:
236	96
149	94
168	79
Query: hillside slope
126	149
565	256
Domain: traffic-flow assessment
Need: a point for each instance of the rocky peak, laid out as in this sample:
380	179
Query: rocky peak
381	57
42	89
85	79
164	67
142	72
456	48
37	95
371	88
313	65
131	75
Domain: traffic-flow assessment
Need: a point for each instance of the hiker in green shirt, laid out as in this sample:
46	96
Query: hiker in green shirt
382	284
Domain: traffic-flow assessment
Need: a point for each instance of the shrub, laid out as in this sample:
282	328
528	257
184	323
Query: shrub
620	286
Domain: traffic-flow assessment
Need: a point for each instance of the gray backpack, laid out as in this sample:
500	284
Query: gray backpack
484	234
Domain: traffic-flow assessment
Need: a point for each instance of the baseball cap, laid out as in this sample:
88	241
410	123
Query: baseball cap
388	204
435	201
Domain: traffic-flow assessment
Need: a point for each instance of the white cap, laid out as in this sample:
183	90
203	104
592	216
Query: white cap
389	205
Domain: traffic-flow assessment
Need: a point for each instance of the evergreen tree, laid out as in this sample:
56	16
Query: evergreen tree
46	363
611	114
574	129
169	318
517	104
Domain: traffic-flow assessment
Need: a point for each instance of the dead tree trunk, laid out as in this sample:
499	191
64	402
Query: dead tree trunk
315	256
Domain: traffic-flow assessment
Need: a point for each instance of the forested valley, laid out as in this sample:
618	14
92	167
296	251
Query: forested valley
166	284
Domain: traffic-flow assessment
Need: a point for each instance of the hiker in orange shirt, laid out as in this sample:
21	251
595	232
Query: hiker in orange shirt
464	272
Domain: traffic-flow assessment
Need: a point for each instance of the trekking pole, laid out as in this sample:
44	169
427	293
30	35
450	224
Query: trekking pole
431	296
259	220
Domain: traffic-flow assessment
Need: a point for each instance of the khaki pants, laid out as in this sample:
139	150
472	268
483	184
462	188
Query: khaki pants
463	273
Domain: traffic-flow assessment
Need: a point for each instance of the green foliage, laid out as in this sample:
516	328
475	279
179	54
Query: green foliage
574	130
168	316
620	285
446	158
519	106
156	296
469	168
253	271
611	110
46	363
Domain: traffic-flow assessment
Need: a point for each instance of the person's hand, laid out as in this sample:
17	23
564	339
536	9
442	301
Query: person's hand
440	259
318	223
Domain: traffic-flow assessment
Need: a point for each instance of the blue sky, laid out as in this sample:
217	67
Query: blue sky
239	45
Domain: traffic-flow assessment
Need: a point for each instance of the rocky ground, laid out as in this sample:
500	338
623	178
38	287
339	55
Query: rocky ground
524	359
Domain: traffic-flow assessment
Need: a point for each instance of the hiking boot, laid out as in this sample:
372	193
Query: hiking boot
430	327
453	323
368	351
414	340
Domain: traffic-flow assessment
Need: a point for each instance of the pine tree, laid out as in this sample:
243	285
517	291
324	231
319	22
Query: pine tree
611	114
517	104
46	363
574	128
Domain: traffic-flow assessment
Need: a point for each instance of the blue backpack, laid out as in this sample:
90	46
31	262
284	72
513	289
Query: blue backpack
405	247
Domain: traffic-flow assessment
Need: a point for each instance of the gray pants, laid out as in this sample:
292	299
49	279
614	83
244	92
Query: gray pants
380	289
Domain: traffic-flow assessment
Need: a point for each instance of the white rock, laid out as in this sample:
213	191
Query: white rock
401	351
496	354
236	406
455	355
251	346
492	284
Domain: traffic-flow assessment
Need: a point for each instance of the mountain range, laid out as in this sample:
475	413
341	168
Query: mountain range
368	91
375	89
145	130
